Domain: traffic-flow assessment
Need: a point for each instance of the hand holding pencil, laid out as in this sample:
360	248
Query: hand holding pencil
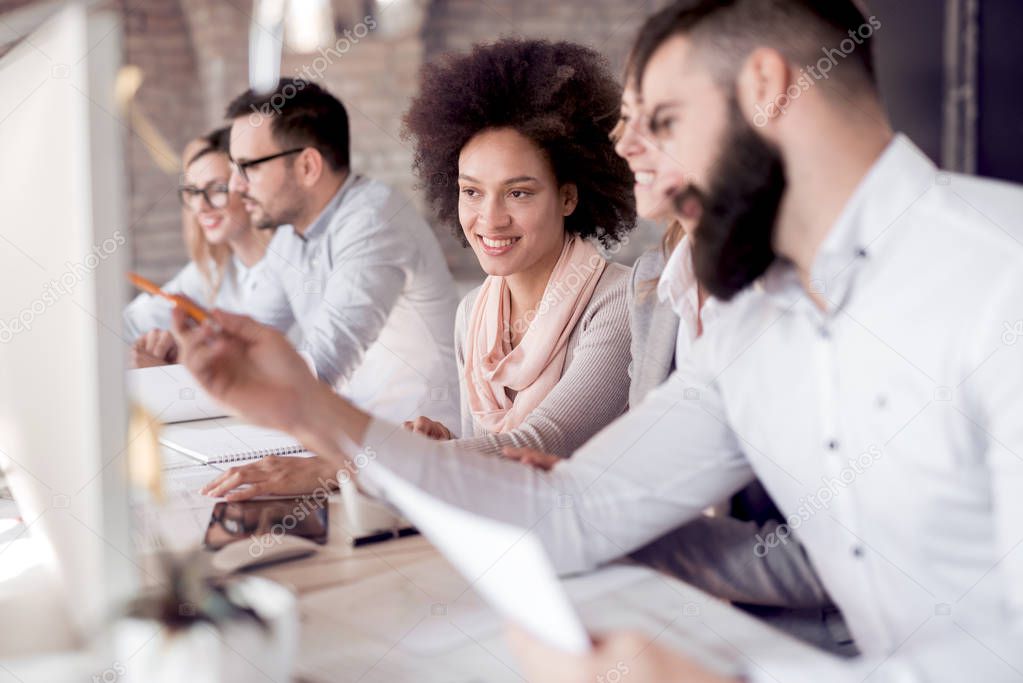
179	300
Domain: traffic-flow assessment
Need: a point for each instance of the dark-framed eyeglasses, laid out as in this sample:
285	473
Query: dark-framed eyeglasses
215	195
242	167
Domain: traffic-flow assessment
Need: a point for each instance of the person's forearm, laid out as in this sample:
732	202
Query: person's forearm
632	483
329	425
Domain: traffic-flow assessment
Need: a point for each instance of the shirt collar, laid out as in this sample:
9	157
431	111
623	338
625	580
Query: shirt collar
321	221
899	177
677	283
679	288
240	269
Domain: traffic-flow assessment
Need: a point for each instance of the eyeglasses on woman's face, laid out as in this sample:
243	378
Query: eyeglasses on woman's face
214	194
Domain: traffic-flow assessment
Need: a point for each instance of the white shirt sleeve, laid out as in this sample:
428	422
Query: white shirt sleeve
648	472
268	301
147	312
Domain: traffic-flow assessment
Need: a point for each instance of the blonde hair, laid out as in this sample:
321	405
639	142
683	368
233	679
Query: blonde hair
210	259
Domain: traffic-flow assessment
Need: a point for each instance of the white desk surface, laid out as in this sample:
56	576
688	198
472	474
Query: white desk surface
396	611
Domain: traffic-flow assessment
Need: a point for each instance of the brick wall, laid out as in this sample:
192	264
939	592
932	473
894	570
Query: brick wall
158	40
605	25
193	54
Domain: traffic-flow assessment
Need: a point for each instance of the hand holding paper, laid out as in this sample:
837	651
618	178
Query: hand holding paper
506	565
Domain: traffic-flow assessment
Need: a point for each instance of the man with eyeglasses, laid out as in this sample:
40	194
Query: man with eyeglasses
225	266
363	275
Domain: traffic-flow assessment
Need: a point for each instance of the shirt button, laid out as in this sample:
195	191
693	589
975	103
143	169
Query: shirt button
824	332
881	402
861	253
832	445
857	551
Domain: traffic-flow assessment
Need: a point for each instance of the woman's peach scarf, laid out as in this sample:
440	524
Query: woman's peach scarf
534	367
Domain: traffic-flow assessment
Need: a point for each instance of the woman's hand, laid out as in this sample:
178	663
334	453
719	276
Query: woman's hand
156	347
532	457
428	428
274	475
617	656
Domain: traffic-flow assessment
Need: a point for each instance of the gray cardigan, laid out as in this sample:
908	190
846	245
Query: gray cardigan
593	389
654	328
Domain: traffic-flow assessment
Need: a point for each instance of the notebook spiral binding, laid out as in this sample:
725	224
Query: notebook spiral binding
259	453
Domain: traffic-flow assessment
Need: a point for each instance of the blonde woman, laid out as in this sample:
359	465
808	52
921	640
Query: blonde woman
225	251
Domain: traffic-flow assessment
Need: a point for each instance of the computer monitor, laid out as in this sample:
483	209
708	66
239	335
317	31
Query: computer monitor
63	253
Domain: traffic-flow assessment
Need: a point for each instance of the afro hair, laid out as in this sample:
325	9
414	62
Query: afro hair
560	95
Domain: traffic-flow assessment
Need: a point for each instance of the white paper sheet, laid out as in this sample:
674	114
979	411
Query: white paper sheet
470	616
171	394
506	565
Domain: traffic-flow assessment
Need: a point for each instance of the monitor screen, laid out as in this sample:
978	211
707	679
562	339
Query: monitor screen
63	254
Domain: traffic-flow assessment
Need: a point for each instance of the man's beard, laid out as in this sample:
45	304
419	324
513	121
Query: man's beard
265	222
262	219
732	241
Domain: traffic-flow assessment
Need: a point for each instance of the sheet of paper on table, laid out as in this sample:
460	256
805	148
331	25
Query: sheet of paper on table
506	565
170	394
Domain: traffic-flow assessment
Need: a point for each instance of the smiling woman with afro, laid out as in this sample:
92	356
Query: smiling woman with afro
513	150
562	96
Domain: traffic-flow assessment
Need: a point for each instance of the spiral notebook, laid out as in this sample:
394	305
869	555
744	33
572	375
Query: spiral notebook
227	440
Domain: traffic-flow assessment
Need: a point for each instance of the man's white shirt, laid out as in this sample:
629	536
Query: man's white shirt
371	293
888	429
